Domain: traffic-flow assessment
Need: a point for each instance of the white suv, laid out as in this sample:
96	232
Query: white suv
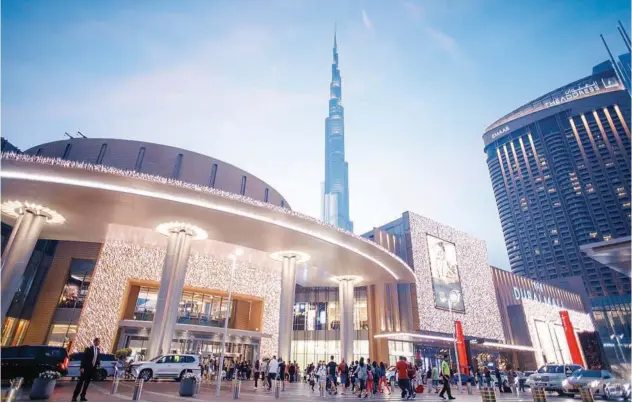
166	366
551	376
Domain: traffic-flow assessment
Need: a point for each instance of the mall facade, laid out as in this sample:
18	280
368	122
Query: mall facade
140	244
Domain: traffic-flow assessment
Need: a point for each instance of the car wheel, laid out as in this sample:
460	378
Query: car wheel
182	374
145	374
100	375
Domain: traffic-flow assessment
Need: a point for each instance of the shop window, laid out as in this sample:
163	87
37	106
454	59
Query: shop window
76	288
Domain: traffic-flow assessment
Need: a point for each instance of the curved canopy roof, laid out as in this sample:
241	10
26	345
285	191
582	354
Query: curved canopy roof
91	197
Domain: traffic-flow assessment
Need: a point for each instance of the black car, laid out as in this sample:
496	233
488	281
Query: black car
29	361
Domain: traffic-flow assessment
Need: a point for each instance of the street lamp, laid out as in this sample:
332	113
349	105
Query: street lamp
233	257
454	297
617	340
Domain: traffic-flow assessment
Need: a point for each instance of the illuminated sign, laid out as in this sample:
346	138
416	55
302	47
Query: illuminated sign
536	295
500	132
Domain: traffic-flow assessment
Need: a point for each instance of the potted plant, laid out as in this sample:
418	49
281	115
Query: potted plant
188	384
44	385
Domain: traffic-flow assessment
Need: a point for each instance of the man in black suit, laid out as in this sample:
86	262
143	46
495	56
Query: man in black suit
89	363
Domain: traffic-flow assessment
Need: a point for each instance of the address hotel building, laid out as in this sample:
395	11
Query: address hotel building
135	243
560	171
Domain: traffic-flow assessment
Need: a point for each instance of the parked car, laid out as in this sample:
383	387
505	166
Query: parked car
586	378
30	360
617	389
391	374
551	376
108	362
166	366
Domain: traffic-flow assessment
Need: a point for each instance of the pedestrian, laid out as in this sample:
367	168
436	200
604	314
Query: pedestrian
383	381
291	371
435	378
332	376
89	363
311	379
376	377
488	377
343	370
402	377
273	368
479	378
282	370
499	379
362	375
521	380
445	374
257	372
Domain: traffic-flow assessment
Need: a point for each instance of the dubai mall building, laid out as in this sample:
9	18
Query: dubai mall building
141	245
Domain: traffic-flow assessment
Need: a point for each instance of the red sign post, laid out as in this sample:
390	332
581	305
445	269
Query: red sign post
460	347
573	347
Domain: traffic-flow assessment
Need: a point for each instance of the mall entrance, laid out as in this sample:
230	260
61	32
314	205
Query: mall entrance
205	345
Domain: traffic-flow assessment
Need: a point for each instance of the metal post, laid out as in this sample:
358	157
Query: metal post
14	389
225	336
236	388
115	382
277	389
138	388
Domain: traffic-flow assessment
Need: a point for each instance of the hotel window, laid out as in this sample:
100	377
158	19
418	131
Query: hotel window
211	182
76	288
176	168
66	151
265	195
39	152
242	191
282	203
139	159
146	304
104	147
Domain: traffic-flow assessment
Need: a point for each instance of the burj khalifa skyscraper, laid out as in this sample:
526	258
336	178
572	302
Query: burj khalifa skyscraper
335	189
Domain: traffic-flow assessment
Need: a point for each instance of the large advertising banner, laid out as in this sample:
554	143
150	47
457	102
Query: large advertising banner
446	283
573	346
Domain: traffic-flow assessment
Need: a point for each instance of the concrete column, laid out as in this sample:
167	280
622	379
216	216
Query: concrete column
286	312
171	285
347	334
25	234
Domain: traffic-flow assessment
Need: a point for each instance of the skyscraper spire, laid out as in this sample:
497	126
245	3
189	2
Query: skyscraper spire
335	203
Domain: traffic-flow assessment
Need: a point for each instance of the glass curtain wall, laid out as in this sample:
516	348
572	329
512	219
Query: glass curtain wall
317	325
195	308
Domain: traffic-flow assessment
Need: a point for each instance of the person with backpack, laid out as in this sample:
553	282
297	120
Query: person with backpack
411	377
343	370
369	379
362	376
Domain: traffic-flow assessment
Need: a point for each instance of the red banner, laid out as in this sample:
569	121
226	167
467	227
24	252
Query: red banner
460	347
573	347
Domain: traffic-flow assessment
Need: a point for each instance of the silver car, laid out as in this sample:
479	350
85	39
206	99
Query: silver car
550	377
108	361
594	379
618	389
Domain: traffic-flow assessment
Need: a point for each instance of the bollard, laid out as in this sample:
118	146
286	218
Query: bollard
469	388
115	385
198	383
277	389
322	389
586	395
488	394
138	388
14	389
236	388
539	395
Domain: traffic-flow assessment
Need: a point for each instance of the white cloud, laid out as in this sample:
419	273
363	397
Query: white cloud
413	9
445	42
368	24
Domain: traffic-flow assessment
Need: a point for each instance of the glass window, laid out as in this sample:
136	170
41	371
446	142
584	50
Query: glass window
77	285
146	304
61	334
139	159
176	168
102	151
66	151
265	195
242	191
211	182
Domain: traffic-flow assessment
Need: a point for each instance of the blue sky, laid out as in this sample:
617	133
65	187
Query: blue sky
247	82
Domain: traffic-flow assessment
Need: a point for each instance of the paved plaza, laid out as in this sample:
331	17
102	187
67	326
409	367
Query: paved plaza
166	391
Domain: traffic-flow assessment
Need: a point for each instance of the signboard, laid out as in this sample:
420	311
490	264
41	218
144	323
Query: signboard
573	346
592	85
446	283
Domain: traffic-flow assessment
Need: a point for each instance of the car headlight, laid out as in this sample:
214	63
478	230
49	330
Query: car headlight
593	384
565	383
